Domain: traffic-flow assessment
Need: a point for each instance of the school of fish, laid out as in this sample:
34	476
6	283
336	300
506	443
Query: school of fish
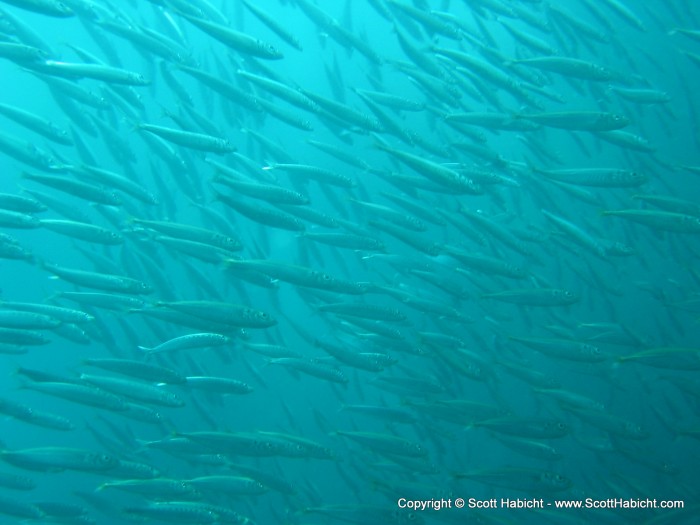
300	261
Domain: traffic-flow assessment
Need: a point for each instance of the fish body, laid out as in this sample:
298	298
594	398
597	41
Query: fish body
100	281
298	275
564	348
188	342
20	319
165	488
523	479
190	139
79	393
22	53
386	443
526	427
551	297
673	358
597	177
76	188
364	310
571	67
30	154
312	368
274	259
55	459
138	369
578	120
139	391
174	512
52	8
192	233
228	485
83	231
37	123
32	416
346	240
109	74
263	215
236	40
660	220
222	313
221	385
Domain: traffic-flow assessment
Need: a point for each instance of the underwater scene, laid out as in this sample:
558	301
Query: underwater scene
309	262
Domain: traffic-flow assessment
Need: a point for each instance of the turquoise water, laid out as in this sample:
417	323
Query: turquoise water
496	299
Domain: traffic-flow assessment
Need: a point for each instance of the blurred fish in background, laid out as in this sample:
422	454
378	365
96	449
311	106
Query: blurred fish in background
293	261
